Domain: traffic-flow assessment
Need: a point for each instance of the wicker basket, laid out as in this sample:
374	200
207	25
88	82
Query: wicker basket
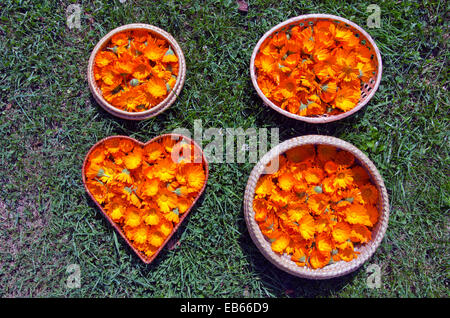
368	89
284	262
143	257
171	97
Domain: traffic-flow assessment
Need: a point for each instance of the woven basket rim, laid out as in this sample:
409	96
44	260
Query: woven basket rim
142	257
322	119
163	105
284	262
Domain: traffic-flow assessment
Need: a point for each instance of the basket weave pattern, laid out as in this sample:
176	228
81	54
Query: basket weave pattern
368	89
283	261
169	100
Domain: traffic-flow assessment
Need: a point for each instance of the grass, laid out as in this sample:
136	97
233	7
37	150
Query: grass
49	120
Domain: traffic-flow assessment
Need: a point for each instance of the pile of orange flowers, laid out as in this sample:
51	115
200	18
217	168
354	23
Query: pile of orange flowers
317	206
314	70
142	189
136	70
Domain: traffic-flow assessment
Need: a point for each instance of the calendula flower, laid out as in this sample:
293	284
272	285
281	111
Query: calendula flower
264	186
125	145
341	232
97	155
372	210
104	58
150	188
166	200
360	175
116	210
307	227
153	217
260	208
286	181
184	204
343	178
344	158
360	233
357	214
318	203
319	259
301	153
369	194
165	228
326	153
195	176
313	175
129	193
165	169
98	190
173	215
280	243
331	167
124	177
120	39
324	243
346	252
132	217
133	159
154	52
297	212
141	234
156	238
346	98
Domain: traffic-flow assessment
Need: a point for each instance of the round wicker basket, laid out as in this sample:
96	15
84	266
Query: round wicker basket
169	100
368	88
119	230
284	262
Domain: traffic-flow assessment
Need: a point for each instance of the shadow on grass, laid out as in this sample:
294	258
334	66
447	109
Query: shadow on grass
280	283
290	128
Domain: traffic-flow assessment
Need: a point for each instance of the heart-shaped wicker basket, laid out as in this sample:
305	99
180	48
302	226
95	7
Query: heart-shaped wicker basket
368	88
284	261
177	137
171	97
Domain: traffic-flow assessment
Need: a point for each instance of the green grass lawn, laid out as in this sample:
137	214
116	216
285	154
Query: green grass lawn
49	120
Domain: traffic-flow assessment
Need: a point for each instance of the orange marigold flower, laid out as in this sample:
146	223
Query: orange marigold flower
326	153
165	169
360	233
166	200
264	186
156	238
153	217
307	227
341	232
133	159
195	176
369	193
301	153
286	181
313	175
357	214
319	259
104	58
132	217
280	243
343	178
324	243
